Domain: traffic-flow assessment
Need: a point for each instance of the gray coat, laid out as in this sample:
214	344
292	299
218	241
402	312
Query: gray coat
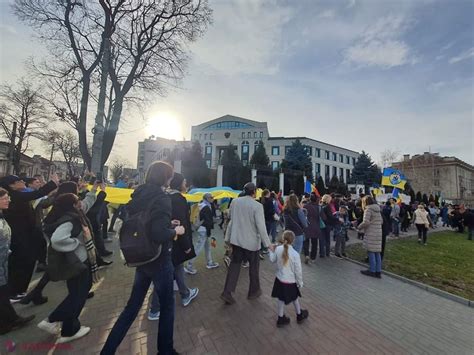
372	228
5	235
247	228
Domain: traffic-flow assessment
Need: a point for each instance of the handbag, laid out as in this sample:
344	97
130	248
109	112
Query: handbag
63	266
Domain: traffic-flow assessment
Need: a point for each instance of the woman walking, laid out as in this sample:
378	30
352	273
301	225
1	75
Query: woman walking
330	221
152	196
9	319
295	221
313	231
372	228
269	212
422	223
69	232
183	248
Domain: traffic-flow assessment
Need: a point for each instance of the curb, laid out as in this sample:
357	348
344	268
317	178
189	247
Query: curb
423	286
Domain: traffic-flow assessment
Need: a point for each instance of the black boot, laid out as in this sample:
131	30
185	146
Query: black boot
302	316
378	275
34	296
367	273
282	321
17	323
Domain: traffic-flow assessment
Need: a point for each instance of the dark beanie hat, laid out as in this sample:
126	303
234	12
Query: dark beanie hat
176	181
67	187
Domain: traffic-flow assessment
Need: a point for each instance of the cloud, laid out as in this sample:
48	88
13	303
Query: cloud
245	37
351	4
327	14
381	45
463	56
9	30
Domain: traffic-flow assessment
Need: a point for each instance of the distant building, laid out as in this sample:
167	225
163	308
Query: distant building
215	136
448	177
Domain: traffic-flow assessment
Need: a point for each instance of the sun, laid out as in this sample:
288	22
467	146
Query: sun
165	125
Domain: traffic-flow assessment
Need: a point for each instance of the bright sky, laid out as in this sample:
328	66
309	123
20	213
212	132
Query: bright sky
366	75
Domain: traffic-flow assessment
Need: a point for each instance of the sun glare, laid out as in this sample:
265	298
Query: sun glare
165	125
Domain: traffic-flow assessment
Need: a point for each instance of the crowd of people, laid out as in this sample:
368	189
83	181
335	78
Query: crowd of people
61	229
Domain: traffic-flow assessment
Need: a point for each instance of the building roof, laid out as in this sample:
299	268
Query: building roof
231	118
428	159
311	139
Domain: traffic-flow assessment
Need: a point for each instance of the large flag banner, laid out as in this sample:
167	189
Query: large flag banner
393	177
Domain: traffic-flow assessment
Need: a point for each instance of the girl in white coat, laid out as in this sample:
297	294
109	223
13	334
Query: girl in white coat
288	280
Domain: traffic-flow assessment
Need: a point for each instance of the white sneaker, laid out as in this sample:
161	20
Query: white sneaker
50	327
190	270
193	292
212	265
153	315
83	331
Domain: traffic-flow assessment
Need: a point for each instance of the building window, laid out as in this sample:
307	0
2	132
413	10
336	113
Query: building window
244	152
275	165
326	173
261	134
317	170
334	156
309	150
275	150
348	175
255	134
287	148
348	159
249	135
243	135
334	171
353	161
341	173
341	158
210	136
205	136
317	152
208	150
327	154
208	163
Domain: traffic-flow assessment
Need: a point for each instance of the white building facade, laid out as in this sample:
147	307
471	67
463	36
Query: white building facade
215	136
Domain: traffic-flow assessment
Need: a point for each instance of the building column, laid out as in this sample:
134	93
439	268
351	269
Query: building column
282	183
177	166
220	174
254	176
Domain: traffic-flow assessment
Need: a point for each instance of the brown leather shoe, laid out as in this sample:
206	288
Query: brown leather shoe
227	298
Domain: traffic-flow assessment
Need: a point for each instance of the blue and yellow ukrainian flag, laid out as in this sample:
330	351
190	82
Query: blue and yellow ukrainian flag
393	177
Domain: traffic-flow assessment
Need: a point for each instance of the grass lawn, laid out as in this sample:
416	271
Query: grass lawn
447	262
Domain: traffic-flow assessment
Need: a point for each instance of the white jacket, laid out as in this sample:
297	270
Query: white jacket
291	272
421	217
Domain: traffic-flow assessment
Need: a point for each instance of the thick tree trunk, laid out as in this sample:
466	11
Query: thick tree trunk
111	131
97	165
82	124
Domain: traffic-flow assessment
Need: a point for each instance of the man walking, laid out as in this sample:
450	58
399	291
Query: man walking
246	233
395	217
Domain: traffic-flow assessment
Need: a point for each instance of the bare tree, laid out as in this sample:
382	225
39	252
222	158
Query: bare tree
116	170
22	104
148	51
388	156
66	143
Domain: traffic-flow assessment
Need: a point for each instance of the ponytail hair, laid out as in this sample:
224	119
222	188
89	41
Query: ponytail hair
287	239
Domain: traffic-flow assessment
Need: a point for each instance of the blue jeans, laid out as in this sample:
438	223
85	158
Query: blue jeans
396	226
160	272
203	242
325	242
298	243
271	229
183	289
375	262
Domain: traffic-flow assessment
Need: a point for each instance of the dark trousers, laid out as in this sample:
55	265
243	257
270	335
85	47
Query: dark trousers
114	217
41	283
70	308
325	242
238	255
422	231
470	232
384	241
99	241
310	244
161	273
7	312
20	271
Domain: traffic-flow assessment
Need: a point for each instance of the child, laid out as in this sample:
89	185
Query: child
340	231
289	279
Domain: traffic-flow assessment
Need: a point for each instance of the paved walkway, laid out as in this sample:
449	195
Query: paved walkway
349	314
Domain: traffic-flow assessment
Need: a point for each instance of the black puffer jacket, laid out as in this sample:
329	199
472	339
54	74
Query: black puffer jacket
153	197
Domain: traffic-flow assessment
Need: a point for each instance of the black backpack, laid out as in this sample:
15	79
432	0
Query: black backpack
138	248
